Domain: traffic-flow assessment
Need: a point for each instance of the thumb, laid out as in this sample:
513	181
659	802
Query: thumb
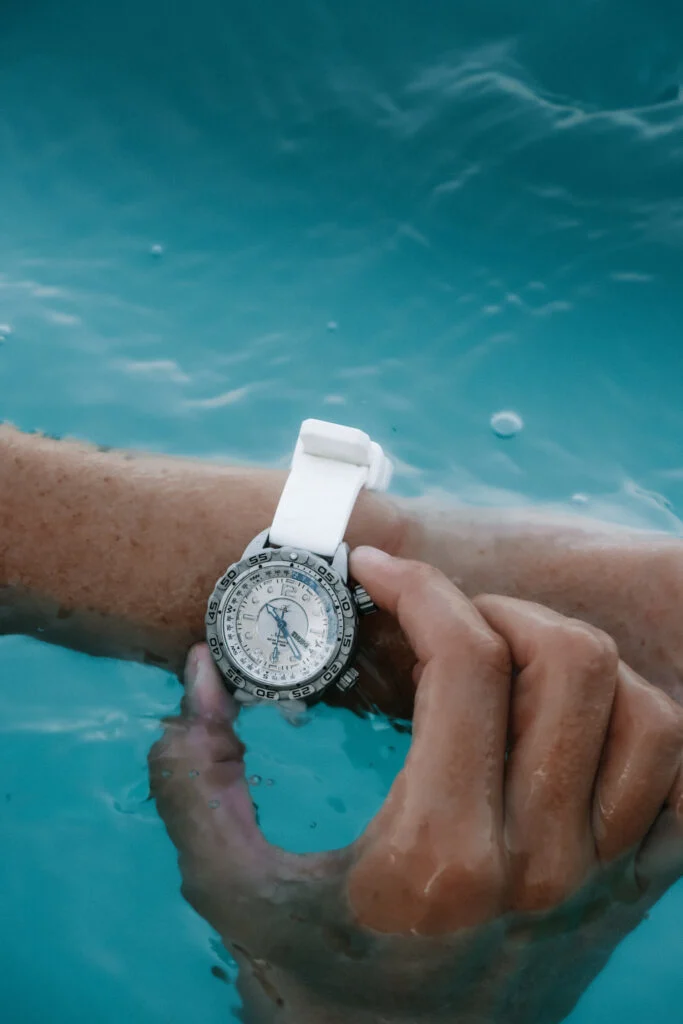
197	779
206	696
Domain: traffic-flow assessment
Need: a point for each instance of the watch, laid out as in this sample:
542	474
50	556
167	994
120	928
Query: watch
282	623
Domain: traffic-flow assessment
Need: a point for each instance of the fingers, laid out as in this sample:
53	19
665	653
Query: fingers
660	860
432	859
434	615
197	779
595	752
560	712
640	763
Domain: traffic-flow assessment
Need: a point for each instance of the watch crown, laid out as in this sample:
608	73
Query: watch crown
364	603
348	679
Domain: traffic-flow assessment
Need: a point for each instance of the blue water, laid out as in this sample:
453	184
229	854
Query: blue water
409	218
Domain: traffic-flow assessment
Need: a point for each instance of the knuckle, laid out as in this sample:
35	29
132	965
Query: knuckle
540	885
491	649
485	649
471	891
422	575
168	747
592	651
485	874
544	894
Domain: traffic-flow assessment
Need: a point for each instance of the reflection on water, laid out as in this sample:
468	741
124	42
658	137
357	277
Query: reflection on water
218	219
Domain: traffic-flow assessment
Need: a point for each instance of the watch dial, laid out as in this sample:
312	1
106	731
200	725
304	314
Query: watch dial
281	625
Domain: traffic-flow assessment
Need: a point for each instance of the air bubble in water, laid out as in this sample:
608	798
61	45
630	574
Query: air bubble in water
193	773
213	804
156	250
506	423
5	332
332	325
254	780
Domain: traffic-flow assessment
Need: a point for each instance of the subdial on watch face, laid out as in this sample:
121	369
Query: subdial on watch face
283	627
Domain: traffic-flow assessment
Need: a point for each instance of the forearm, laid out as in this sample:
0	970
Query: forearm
116	553
628	583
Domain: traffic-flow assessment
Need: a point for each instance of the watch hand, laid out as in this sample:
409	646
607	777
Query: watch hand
290	640
292	645
282	628
275	656
280	621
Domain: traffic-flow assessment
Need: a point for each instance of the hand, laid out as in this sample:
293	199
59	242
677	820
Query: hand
538	817
282	629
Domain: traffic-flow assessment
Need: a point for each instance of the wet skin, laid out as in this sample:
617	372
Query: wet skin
458	903
538	817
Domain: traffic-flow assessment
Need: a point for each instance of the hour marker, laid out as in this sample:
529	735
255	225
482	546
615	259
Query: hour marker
248	615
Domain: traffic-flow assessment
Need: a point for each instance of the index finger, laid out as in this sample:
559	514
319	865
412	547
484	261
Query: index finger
432	858
435	616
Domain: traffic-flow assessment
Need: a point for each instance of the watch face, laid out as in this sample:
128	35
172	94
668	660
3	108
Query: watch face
281	625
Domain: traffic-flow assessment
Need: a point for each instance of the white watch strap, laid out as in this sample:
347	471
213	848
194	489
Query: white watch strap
330	466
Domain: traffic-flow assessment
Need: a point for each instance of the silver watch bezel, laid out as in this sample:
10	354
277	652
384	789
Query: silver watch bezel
343	652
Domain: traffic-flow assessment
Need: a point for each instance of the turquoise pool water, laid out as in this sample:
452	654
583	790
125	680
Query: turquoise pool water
405	217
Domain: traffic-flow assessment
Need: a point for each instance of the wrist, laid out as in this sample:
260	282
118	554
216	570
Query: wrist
116	552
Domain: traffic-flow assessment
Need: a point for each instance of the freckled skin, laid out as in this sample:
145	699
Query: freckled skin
486	889
115	553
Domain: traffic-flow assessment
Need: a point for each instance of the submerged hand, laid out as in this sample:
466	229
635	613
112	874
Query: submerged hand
538	817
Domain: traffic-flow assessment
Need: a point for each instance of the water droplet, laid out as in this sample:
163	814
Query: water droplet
193	773
332	325
6	330
166	773
506	423
156	250
270	782
213	804
314	824
254	780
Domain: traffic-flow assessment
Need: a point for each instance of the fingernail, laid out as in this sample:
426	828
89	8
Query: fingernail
372	556
192	667
207	696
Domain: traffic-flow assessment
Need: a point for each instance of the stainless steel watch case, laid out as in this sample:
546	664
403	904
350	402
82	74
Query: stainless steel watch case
337	670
